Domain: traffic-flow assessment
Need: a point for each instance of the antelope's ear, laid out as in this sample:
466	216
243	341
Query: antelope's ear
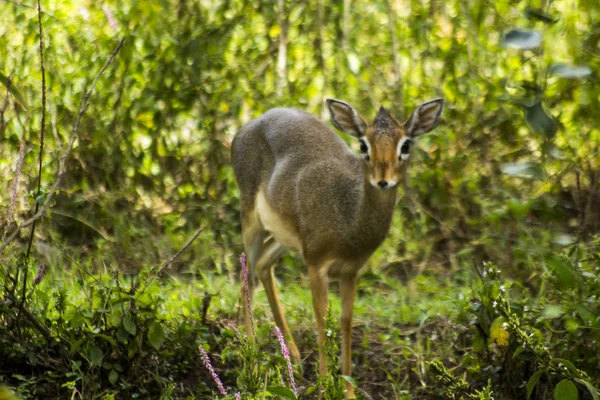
345	118
425	118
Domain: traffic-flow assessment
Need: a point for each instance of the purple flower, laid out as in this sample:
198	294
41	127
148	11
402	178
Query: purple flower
247	288
238	396
211	370
40	274
286	355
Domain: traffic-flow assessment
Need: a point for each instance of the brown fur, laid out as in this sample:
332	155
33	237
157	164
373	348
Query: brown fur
300	183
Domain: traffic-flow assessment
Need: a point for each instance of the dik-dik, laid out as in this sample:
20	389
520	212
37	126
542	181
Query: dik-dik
302	188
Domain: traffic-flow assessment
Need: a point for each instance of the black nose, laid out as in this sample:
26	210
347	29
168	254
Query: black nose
382	184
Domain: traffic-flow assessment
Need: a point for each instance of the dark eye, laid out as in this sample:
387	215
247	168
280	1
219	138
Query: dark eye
404	150
363	147
405	147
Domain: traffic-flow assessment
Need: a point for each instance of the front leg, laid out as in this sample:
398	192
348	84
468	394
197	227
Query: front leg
347	288
319	286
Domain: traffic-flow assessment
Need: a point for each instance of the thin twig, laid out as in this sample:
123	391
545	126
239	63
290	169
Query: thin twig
43	329
477	270
42	128
65	155
579	203
167	263
13	199
40	158
6	102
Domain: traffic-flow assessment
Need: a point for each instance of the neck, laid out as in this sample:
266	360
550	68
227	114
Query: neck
378	201
375	212
371	222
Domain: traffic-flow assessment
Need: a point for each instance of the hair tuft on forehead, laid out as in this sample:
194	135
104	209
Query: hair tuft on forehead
384	122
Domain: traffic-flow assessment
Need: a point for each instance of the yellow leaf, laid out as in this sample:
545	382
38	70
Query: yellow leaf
498	332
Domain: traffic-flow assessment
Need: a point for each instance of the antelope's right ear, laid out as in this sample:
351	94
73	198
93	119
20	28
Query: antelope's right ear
345	118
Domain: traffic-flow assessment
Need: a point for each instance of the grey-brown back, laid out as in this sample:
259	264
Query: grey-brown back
309	176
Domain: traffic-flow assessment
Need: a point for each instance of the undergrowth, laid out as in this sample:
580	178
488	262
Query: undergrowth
104	335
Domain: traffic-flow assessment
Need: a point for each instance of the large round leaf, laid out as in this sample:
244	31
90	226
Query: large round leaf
571	71
129	325
96	356
539	121
527	169
156	335
522	39
566	390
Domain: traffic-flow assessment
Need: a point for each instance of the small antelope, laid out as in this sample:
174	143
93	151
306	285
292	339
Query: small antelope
302	188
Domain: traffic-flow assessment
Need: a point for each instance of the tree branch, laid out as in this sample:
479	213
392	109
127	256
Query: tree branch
65	155
170	261
40	159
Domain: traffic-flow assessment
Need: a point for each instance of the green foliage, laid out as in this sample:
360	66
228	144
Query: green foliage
108	337
510	178
332	384
530	333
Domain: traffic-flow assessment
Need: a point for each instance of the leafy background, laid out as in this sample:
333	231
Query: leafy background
511	177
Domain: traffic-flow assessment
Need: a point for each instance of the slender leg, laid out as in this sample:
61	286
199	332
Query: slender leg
319	286
271	252
347	287
253	244
245	306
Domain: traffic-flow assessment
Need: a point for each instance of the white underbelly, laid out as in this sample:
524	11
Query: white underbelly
274	224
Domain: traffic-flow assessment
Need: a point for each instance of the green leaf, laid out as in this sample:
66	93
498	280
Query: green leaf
562	271
538	15
522	39
75	346
590	388
539	121
567	364
122	335
528	169
479	342
14	91
7	394
552	311
109	339
113	376
282	391
96	355
563	239
533	381
571	71
350	380
129	325
586	314
518	351
566	390
156	335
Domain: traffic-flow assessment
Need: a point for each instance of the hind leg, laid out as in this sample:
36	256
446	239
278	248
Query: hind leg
271	252
252	236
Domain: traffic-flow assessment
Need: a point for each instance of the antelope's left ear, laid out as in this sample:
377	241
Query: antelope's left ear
425	118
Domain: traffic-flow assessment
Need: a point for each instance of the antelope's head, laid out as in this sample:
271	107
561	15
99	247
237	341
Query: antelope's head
385	143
